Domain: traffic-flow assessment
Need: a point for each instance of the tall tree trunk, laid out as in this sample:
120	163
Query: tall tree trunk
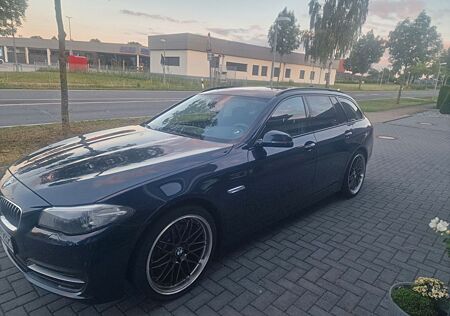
279	70
327	83
62	70
399	92
360	82
13	31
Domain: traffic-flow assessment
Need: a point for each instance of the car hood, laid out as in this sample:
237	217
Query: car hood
88	168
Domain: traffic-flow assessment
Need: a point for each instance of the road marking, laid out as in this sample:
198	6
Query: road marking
80	99
88	102
144	118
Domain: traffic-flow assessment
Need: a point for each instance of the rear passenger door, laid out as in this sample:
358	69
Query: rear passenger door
328	122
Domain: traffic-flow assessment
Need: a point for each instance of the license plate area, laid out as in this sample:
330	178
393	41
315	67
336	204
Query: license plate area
6	239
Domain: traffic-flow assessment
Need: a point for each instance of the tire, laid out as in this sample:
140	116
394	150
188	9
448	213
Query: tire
175	252
354	176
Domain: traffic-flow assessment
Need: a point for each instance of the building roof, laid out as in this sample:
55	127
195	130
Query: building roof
112	48
189	41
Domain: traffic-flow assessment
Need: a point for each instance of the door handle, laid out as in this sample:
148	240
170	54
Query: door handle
309	145
348	133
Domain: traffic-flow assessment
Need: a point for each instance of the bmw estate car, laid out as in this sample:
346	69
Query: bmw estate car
151	204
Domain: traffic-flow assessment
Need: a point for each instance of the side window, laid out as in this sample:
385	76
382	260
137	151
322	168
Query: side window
340	114
351	110
322	113
289	117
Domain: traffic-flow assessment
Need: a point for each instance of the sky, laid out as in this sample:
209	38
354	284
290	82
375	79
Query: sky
122	21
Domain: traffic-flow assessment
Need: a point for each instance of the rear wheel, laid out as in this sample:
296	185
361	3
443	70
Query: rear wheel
354	176
175	252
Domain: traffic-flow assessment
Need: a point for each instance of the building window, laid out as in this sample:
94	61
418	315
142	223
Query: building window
287	73
302	74
170	61
264	71
255	70
327	76
276	72
311	75
236	66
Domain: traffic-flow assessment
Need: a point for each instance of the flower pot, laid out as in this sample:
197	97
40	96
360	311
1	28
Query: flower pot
394	310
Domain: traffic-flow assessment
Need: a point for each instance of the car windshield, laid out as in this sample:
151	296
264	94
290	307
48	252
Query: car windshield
221	118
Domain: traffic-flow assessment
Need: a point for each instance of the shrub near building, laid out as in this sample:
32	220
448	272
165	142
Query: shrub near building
443	102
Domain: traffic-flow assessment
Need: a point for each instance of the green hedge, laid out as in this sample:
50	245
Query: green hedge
443	102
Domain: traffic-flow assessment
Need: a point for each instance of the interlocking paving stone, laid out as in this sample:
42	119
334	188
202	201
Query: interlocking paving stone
337	258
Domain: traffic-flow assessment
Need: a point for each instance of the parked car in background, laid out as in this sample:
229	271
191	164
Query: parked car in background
153	203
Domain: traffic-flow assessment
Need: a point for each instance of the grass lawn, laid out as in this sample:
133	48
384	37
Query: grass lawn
389	104
16	142
144	81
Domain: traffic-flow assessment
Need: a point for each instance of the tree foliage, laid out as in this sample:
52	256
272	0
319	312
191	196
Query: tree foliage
413	42
12	13
288	37
333	28
367	51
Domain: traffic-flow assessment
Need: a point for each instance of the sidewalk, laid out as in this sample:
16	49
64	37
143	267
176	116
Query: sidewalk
395	114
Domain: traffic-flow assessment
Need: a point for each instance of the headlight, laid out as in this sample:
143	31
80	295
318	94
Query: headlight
82	219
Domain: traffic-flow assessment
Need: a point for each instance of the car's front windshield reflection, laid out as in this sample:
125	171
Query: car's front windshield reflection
215	117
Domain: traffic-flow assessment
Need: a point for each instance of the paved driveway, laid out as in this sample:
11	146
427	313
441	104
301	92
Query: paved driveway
338	258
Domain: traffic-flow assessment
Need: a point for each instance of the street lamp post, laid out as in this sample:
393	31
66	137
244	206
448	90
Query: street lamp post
163	41
437	79
274	49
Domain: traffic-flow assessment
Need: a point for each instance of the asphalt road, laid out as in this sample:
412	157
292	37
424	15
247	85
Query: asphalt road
24	107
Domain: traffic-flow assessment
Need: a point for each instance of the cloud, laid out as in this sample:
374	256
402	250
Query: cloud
234	31
254	34
401	9
156	17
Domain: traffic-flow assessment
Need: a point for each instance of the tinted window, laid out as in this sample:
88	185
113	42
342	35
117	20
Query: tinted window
255	70
236	66
223	118
264	71
302	74
289	117
287	73
323	113
350	109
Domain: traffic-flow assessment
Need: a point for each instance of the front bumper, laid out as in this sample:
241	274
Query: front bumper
91	267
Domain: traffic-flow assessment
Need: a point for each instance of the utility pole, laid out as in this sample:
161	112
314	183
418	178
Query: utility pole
164	60
274	49
70	28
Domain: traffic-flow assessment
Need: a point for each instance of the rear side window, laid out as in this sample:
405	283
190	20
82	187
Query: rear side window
323	113
289	117
351	110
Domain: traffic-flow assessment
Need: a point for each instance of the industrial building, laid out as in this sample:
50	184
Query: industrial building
44	52
190	55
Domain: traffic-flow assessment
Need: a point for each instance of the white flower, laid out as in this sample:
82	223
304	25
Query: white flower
442	226
434	222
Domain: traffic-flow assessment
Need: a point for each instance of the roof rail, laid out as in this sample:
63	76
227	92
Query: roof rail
218	88
307	88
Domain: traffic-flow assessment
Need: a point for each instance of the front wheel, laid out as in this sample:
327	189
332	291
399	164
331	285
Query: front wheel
354	176
175	252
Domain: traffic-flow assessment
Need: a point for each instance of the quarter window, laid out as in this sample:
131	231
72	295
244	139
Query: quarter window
351	110
255	70
322	113
289	117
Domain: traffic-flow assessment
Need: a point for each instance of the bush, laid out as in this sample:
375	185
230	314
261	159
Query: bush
414	303
443	102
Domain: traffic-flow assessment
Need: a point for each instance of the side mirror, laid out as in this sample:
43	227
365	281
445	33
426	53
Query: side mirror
276	139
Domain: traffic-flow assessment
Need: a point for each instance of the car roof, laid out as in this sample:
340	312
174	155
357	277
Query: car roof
268	93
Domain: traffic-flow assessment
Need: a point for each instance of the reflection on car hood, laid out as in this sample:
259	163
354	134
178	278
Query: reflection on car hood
89	167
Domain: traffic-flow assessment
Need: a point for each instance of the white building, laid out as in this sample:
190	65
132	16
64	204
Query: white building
187	55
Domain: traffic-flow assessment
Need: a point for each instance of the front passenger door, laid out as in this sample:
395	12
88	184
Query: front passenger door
282	177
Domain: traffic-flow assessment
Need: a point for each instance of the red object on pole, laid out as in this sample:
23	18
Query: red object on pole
77	63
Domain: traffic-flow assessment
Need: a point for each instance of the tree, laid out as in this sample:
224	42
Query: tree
410	43
36	37
367	51
12	12
95	40
333	28
62	70
134	43
288	35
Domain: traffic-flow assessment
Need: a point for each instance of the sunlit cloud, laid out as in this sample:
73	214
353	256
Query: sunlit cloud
155	16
